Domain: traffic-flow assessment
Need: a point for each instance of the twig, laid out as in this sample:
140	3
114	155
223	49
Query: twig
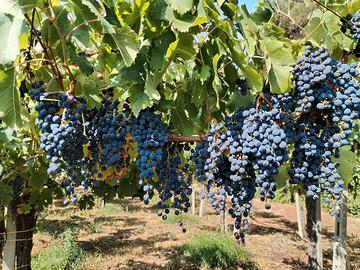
264	98
33	60
63	41
180	138
289	17
78	26
333	12
18	168
53	65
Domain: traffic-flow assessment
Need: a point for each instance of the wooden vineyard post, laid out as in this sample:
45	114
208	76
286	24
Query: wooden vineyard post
10	244
313	229
339	252
223	220
201	208
193	201
300	215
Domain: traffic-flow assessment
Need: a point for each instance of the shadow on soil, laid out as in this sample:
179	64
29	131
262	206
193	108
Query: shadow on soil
56	227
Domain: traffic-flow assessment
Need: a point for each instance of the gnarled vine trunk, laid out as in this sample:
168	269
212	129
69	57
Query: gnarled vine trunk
2	232
25	224
313	229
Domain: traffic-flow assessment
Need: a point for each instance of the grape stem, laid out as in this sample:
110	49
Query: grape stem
264	98
180	138
19	168
52	62
333	12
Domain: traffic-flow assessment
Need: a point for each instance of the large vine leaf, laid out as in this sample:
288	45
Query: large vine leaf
182	122
126	41
279	61
90	11
347	161
181	6
9	97
10	28
6	194
138	99
150	88
316	31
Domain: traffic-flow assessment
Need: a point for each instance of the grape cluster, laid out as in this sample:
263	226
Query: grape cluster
243	153
353	24
107	128
84	145
61	125
198	157
327	104
150	135
60	120
175	181
242	86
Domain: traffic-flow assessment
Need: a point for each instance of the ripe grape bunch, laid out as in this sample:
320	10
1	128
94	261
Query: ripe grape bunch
150	135
107	130
353	24
61	124
242	86
84	145
327	103
242	154
175	180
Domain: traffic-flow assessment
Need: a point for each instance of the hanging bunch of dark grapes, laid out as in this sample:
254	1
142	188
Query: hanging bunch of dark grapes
199	155
242	86
107	129
60	122
150	135
328	100
243	153
352	23
175	180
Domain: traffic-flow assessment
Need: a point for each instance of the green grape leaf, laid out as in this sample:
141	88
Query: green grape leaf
81	60
9	97
182	122
6	194
38	178
159	48
139	100
6	135
249	30
89	89
236	101
127	42
204	73
11	21
182	24
181	6
317	32
331	23
347	161
280	78
216	84
90	11
262	13
253	78
198	93
150	89
278	52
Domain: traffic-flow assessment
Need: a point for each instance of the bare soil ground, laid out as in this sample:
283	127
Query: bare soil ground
128	235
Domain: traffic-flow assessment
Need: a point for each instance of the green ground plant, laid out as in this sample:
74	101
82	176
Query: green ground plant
214	249
64	254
